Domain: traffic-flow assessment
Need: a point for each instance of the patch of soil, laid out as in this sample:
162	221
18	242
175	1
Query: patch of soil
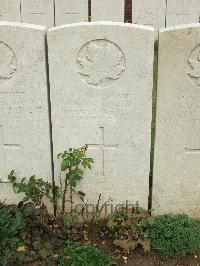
152	258
138	257
44	238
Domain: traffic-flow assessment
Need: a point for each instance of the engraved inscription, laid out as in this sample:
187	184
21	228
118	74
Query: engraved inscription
183	13
113	104
147	17
8	62
38	13
100	63
194	66
72	13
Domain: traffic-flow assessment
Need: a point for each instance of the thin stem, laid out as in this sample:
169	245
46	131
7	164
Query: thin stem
61	184
102	207
64	195
71	198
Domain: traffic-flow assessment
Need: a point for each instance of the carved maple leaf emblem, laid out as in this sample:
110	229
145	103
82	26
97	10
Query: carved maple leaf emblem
7	64
101	61
195	72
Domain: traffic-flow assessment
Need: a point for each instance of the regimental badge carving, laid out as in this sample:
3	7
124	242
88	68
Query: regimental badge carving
194	66
8	62
100	63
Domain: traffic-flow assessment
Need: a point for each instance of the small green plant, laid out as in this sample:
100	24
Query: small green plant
35	190
10	225
75	254
129	228
175	235
73	163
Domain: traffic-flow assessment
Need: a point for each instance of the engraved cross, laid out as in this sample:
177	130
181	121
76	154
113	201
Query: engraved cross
3	148
102	148
71	10
71	13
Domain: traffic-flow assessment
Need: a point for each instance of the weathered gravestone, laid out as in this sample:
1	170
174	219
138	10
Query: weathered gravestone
40	12
149	12
10	10
182	12
101	85
70	11
176	178
107	10
24	125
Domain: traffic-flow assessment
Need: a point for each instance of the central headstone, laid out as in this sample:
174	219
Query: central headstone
101	85
24	121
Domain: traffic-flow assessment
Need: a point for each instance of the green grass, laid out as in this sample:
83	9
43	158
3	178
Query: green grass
75	254
175	236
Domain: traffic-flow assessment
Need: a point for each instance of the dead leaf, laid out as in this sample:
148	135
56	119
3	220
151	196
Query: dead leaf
125	244
145	243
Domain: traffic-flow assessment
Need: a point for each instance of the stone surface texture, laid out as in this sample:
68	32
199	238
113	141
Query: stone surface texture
176	180
107	10
40	12
10	10
149	13
101	87
70	11
182	12
24	122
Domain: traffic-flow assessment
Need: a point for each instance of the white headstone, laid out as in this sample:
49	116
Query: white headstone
149	12
10	10
101	96
107	10
176	182
182	12
40	12
70	11
24	123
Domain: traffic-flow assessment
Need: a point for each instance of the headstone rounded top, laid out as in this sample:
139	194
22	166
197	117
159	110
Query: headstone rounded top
101	23
173	29
22	25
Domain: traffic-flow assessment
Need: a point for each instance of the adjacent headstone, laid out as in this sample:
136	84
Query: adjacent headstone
176	181
149	12
24	122
10	10
107	10
70	11
101	86
40	12
182	12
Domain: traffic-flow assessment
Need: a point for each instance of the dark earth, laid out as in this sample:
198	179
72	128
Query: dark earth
44	236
